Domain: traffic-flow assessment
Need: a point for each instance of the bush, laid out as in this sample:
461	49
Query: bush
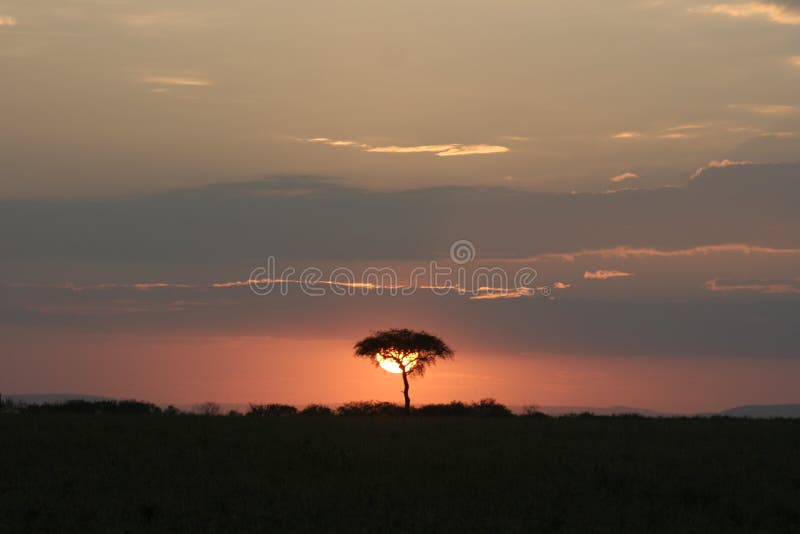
209	408
171	410
533	412
271	410
628	415
490	408
484	408
581	415
7	405
370	408
316	409
453	408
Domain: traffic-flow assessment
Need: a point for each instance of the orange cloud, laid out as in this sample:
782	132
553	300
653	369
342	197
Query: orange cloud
500	293
394	149
682	127
779	14
676	135
715	163
334	142
605	275
466	150
451	149
624	176
626	135
7	20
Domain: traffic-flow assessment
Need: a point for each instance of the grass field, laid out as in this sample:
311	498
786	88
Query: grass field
155	473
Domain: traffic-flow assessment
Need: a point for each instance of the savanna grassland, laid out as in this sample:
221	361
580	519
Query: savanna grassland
158	473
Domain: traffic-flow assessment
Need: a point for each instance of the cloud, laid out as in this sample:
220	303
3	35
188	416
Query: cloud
366	288
104	286
772	11
683	127
493	293
577	327
624	176
184	81
768	109
500	293
780	135
605	275
770	287
452	149
333	142
409	149
683	131
8	20
466	150
313	218
759	132
718	164
646	252
626	135
795	60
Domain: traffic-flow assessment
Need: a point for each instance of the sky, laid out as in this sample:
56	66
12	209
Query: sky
213	202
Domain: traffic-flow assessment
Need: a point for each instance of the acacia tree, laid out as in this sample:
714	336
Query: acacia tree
405	352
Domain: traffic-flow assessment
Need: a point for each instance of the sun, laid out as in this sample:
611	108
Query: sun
395	362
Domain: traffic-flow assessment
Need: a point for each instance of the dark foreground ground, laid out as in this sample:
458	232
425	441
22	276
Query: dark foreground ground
142	473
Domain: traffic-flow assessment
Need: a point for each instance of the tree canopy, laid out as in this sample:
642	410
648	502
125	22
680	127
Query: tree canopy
412	350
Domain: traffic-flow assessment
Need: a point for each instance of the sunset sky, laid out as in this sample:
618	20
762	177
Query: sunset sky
641	157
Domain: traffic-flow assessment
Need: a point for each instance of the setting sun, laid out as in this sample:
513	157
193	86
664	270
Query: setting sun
394	362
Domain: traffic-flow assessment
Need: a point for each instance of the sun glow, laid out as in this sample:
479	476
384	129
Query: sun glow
395	362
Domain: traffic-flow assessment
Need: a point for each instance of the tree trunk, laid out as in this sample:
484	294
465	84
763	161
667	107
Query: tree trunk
405	393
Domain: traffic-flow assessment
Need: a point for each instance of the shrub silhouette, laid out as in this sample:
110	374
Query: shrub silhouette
271	410
490	408
533	412
483	408
9	406
209	408
370	408
171	410
316	409
581	415
454	408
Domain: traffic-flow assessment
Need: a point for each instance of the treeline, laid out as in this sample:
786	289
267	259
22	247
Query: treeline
82	407
483	408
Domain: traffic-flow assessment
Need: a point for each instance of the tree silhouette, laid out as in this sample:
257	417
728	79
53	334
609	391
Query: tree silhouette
405	352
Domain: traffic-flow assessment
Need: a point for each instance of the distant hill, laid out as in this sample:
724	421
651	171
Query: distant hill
764	410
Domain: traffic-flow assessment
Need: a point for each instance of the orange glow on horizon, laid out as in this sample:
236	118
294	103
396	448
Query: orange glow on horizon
395	362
